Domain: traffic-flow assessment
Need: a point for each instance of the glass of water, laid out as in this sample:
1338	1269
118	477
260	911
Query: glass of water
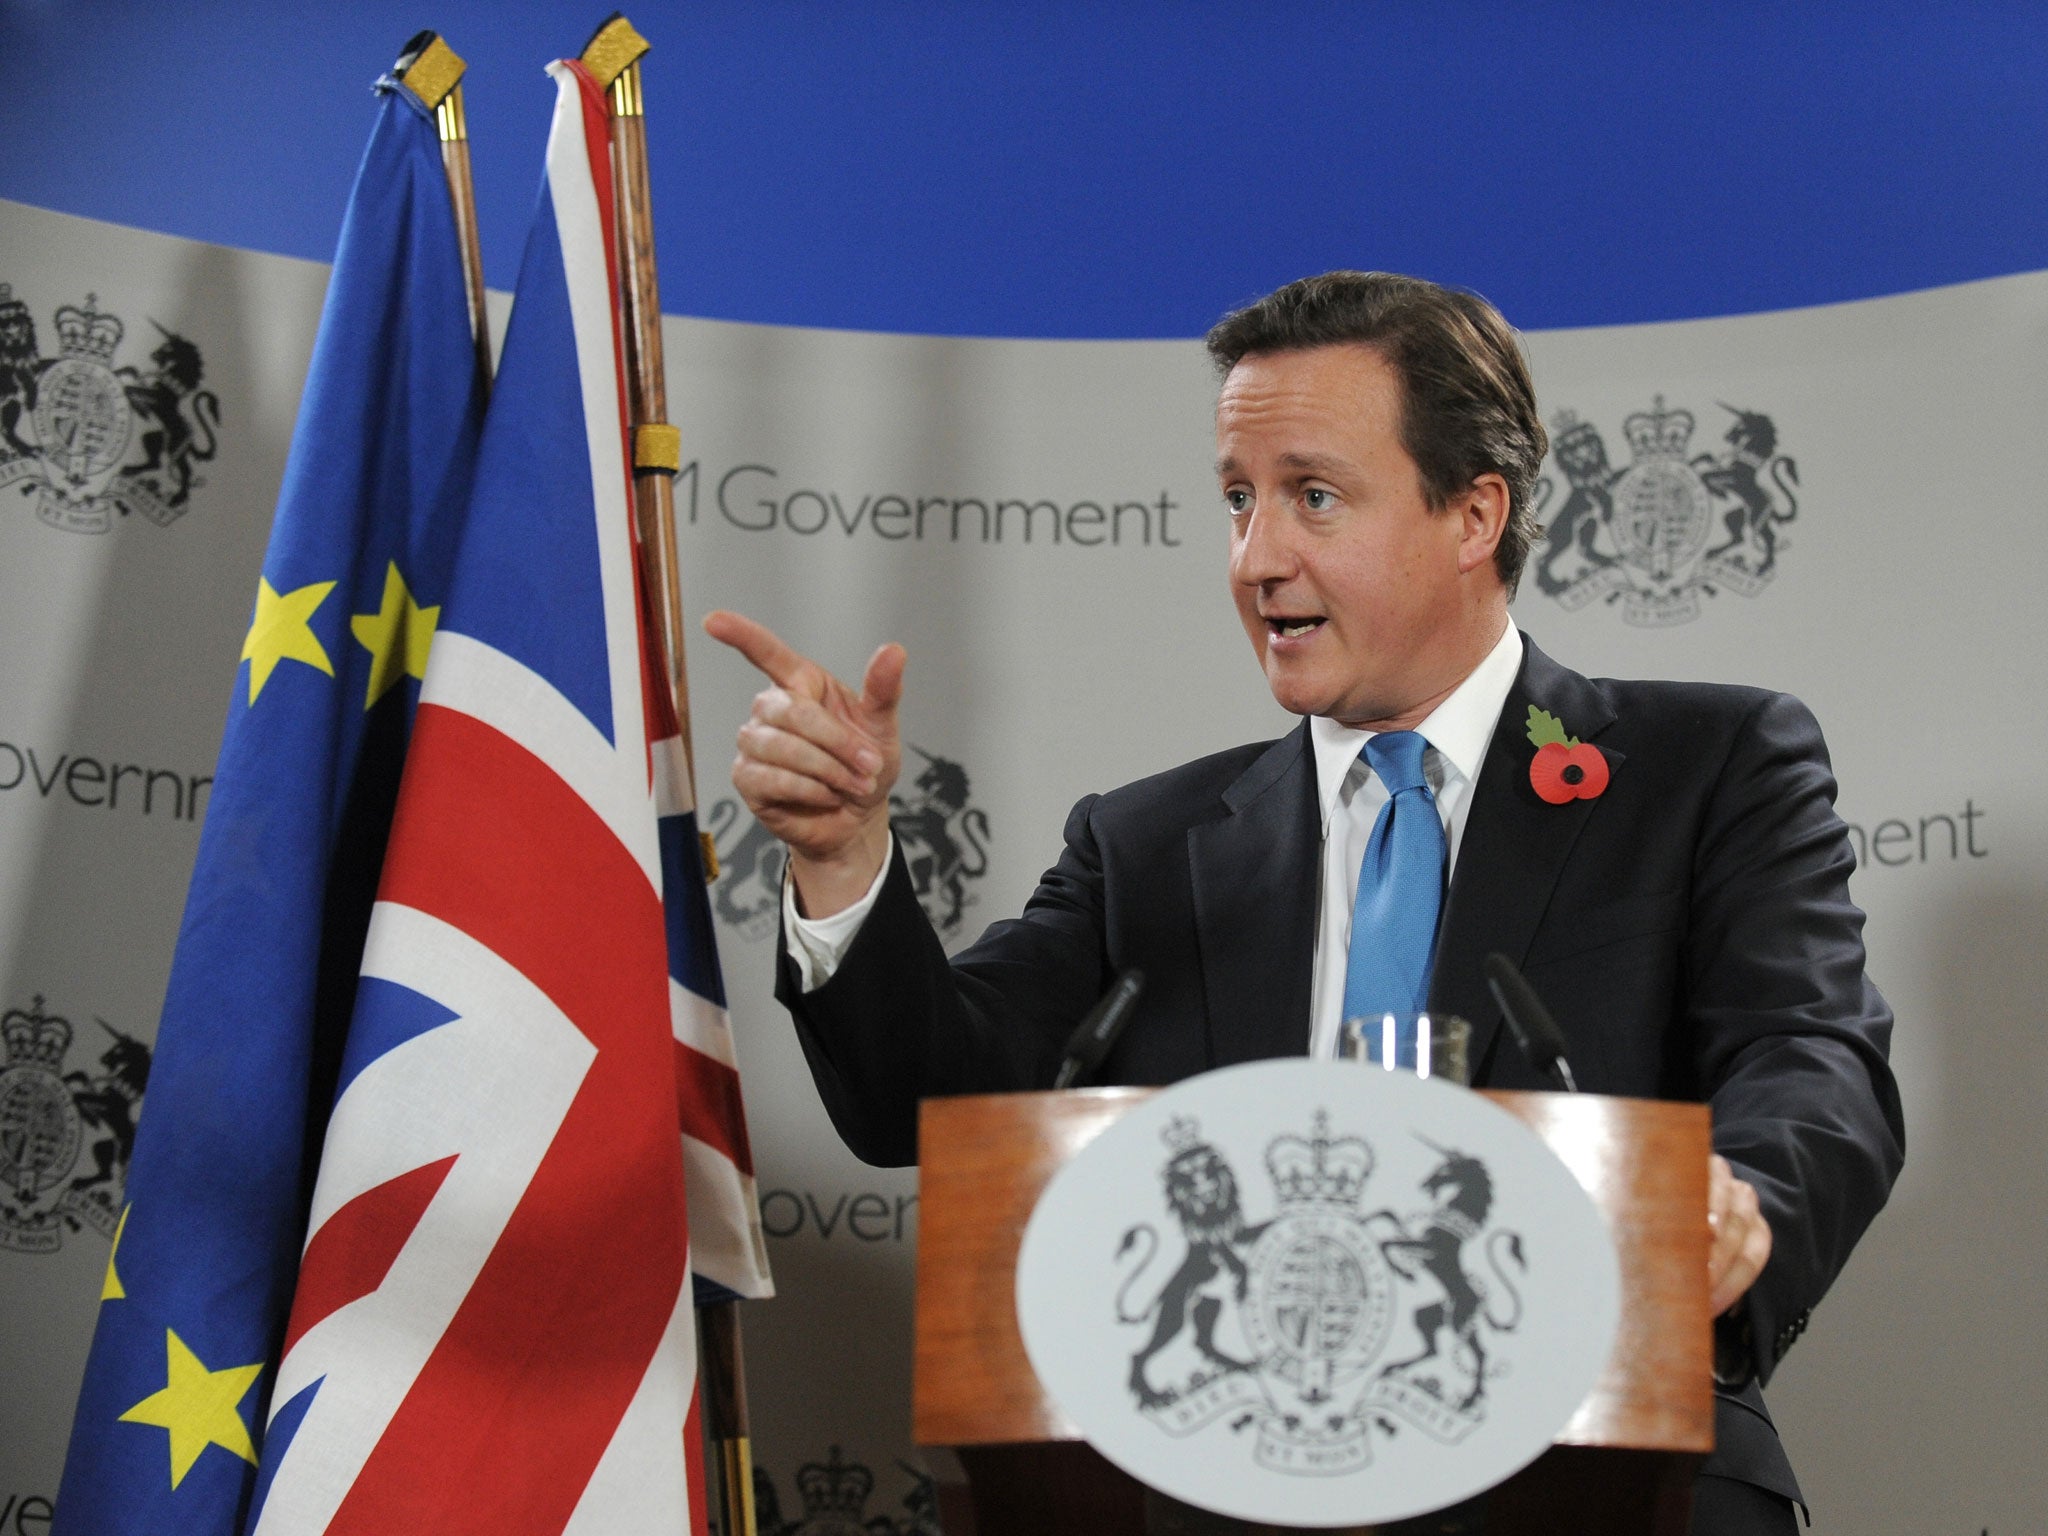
1427	1044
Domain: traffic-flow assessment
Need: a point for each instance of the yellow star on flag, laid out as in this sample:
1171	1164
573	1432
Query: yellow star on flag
280	632
111	1288
396	636
198	1407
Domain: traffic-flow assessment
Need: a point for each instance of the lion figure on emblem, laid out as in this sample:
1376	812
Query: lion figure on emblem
1202	1193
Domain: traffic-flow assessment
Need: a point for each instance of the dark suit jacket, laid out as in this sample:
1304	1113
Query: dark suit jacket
1690	928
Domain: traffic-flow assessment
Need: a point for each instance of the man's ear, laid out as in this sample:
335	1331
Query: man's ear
1482	510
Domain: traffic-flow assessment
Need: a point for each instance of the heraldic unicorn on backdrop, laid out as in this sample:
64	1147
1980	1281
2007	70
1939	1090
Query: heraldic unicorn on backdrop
1821	501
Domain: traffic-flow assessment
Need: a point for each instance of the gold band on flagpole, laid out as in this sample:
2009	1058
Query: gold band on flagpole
625	94
736	1473
433	72
657	445
449	120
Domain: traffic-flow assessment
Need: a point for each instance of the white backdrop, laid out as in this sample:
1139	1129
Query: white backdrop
1036	522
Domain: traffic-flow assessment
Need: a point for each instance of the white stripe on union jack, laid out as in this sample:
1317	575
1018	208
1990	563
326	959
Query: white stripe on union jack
492	1330
484	682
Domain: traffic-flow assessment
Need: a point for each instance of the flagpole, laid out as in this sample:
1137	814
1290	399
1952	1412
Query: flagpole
433	72
613	59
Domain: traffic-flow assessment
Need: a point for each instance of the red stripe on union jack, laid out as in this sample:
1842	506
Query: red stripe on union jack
355	1248
709	1095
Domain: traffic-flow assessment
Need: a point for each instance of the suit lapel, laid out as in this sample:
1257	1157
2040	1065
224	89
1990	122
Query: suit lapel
1514	847
1253	872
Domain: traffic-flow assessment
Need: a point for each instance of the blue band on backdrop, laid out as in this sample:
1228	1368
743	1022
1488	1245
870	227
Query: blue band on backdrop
1118	171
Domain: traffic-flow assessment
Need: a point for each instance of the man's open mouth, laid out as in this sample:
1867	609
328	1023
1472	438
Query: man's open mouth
1288	628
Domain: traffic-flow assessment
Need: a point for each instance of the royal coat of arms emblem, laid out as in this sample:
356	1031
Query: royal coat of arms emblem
65	1137
835	1497
1671	527
85	440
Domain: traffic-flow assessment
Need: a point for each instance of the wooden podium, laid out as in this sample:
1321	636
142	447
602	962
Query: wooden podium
1009	1462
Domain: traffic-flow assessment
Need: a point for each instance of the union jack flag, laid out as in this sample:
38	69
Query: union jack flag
492	1330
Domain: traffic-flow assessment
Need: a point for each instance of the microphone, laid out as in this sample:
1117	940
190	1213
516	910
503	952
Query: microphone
1098	1032
1535	1031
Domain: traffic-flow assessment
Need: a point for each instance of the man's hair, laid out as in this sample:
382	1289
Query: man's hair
1467	405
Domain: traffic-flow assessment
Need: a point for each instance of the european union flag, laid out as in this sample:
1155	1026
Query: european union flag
249	1049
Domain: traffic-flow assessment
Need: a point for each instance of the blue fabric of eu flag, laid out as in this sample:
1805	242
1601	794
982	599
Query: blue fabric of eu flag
200	1280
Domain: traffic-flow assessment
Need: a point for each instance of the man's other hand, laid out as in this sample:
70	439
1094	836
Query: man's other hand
817	761
1740	1238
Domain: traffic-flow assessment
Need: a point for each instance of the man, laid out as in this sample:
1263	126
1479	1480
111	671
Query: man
1677	893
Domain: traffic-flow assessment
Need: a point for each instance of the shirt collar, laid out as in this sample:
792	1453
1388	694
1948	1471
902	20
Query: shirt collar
1459	728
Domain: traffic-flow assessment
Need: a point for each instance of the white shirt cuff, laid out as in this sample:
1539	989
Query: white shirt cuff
817	945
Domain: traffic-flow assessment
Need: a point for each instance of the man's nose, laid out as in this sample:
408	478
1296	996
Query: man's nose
1264	550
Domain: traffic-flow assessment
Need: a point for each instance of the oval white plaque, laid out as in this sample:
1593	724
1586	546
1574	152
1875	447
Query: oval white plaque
1317	1295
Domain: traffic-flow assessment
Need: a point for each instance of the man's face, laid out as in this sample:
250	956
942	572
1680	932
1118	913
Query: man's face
1349	586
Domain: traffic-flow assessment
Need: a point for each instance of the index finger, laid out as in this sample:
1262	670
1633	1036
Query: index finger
759	644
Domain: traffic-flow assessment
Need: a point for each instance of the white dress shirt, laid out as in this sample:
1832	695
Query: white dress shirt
1350	795
818	944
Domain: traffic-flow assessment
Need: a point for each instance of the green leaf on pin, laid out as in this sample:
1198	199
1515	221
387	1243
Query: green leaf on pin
1546	729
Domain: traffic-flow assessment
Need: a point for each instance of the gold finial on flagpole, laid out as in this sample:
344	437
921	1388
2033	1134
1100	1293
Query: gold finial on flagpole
611	52
433	71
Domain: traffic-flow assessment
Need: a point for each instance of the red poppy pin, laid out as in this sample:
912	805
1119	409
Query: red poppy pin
1564	767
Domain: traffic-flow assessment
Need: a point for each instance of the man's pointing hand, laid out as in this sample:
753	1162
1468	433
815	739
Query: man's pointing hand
817	760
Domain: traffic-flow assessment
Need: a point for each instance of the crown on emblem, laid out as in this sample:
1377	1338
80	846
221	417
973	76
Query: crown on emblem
89	331
1658	433
11	307
1568	427
36	1038
839	1488
1569	424
1182	1133
1319	1170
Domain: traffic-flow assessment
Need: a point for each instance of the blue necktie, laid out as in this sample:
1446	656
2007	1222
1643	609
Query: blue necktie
1400	887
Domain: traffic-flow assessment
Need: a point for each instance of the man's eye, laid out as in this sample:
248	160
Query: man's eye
1238	501
1318	500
